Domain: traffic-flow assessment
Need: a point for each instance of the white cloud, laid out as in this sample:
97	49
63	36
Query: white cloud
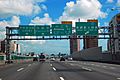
36	10
40	0
110	1
19	7
83	9
15	21
106	24
118	3
44	7
46	20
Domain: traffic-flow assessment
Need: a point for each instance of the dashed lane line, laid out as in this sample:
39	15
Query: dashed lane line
54	69
20	69
112	67
61	78
86	69
51	65
29	65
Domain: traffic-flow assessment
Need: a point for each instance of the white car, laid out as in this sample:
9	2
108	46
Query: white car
52	59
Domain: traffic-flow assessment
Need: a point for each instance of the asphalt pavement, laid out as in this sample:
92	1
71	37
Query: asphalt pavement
56	70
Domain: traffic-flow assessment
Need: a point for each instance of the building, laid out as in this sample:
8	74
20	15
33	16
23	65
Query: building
115	30
2	46
91	41
13	47
74	44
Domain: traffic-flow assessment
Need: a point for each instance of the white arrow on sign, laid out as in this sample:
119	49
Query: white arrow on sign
87	32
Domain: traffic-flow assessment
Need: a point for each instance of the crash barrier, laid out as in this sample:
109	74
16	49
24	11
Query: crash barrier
20	57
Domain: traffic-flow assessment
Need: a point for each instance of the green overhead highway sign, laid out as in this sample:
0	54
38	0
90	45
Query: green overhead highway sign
34	30
42	30
61	29
87	28
25	30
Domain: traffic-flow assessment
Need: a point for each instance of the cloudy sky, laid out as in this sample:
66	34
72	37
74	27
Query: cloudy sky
26	12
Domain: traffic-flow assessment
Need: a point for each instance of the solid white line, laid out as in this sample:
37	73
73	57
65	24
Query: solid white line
61	78
20	69
86	69
118	78
0	78
54	69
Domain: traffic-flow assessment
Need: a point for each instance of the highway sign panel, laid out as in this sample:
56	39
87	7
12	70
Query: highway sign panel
87	28
25	30
34	30
61	29
42	30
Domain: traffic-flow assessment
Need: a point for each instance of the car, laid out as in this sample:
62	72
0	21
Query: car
8	61
52	59
42	60
70	59
62	59
35	59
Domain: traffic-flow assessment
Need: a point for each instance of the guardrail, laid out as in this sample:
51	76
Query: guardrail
15	57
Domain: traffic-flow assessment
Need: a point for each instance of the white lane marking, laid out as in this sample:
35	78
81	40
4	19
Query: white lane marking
86	69
61	78
72	64
112	67
50	64
54	69
104	66
118	78
0	78
29	65
20	69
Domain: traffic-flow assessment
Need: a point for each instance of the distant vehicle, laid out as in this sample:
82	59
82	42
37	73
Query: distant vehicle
62	59
41	57
35	59
70	59
52	59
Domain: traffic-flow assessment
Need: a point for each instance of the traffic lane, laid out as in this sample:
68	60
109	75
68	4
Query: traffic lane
37	71
105	64
101	67
11	69
70	72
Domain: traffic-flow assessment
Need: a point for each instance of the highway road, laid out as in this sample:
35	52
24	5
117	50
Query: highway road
56	70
